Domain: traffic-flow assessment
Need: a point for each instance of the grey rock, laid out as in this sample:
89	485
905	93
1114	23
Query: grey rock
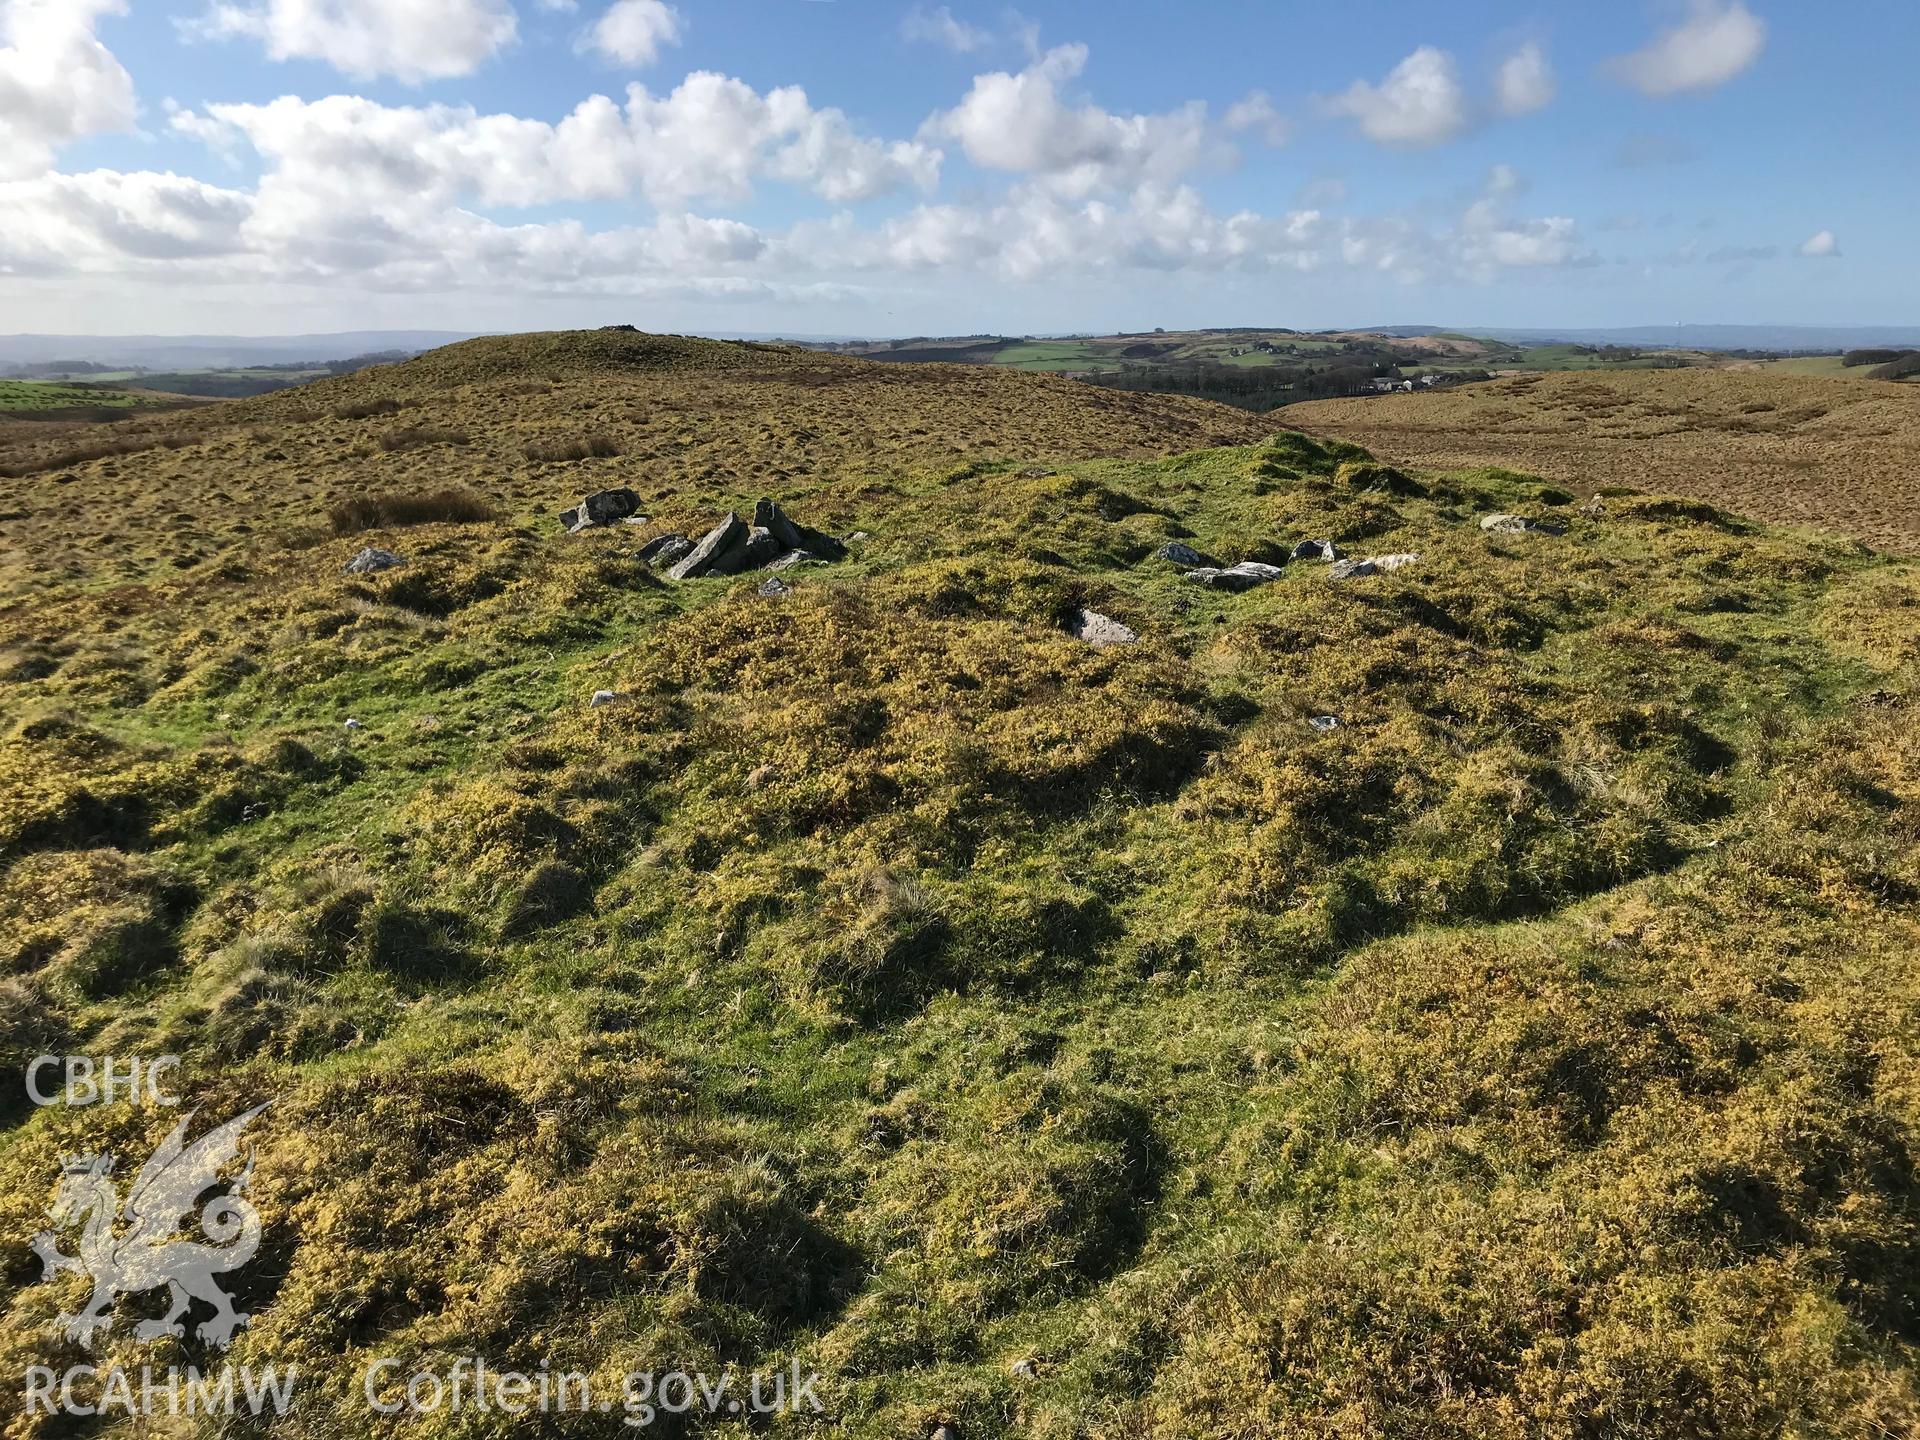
1244	576
352	725
1034	472
774	588
1317	550
1324	722
1097	629
762	547
677	548
661	543
791	559
717	551
1025	1369
856	537
574	520
1178	554
770	517
1520	525
1372	565
372	560
604	697
603	507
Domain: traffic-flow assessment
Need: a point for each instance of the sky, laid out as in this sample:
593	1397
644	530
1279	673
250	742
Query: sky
885	167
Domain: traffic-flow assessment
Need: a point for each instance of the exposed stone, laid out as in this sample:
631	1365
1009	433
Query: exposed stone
1317	550
1520	525
1097	629
791	559
604	697
1244	576
770	517
1033	472
1324	722
372	560
717	551
762	548
660	544
603	507
1025	1369
774	588
1372	565
1181	554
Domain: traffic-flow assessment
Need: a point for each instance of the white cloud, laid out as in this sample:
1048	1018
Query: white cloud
711	137
57	81
1255	113
108	221
939	27
410	40
1717	40
1022	124
633	32
1524	82
1821	246
1421	102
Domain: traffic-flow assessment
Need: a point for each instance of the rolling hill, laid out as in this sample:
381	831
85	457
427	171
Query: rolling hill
1474	997
1820	450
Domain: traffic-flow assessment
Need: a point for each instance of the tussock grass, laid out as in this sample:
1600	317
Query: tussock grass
579	447
452	506
895	981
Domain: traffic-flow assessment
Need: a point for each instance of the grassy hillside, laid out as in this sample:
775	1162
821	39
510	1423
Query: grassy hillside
47	397
1035	1038
1841	454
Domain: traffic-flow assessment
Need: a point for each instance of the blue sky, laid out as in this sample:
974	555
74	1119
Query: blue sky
870	167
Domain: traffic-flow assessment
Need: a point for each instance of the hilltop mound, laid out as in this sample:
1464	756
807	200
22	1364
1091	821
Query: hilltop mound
558	353
529	423
1836	454
1474	995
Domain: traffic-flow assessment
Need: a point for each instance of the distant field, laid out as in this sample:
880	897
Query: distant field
47	396
1838	454
1827	365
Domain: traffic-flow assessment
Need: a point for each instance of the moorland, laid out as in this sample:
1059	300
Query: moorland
1472	999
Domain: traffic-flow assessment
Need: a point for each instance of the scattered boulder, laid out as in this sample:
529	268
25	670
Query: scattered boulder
1372	565
774	588
770	517
714	553
1324	722
660	544
791	559
1184	555
603	507
1520	525
1244	576
1025	1369
352	725
604	697
772	541
1033	472
372	560
1097	629
1317	550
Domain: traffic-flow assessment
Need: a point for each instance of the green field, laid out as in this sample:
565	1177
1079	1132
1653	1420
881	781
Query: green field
47	396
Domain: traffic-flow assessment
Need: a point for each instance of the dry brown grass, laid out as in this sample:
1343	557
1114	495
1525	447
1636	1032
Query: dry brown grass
452	506
1838	454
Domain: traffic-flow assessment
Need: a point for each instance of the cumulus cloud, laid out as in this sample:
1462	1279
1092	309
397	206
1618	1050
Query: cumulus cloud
409	40
1821	246
57	81
711	137
634	32
1023	124
1524	82
1254	114
1717	40
939	27
1421	102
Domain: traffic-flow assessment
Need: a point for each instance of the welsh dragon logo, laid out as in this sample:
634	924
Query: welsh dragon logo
149	1253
